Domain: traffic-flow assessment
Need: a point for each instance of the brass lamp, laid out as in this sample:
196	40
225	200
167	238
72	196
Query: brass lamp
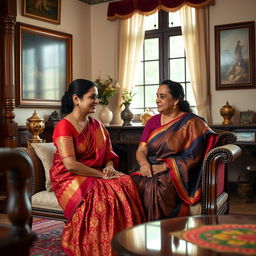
227	112
35	126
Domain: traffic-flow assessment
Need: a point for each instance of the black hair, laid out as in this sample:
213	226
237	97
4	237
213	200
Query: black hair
78	87
177	92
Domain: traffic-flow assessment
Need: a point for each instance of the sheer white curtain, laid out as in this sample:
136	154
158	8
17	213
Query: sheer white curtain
195	29
130	42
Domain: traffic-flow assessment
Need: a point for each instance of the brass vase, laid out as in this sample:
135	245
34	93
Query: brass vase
227	112
35	126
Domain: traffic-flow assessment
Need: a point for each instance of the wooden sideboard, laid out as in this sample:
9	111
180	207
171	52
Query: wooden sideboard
125	139
246	134
132	134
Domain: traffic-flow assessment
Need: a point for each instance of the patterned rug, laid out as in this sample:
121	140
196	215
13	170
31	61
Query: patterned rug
232	238
48	241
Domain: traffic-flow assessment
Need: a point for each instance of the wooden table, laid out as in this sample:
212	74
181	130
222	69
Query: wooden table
158	238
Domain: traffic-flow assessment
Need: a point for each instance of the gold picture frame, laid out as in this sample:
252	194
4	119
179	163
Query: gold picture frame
247	117
235	56
43	66
42	10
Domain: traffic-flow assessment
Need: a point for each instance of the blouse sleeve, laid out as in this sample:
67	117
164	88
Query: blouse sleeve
63	139
63	128
152	124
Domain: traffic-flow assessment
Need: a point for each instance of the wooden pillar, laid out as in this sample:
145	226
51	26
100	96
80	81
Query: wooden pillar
8	126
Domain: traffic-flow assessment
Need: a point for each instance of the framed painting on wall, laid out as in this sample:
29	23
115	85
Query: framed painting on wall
43	65
235	56
47	10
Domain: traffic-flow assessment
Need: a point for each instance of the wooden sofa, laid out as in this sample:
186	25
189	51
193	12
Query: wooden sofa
214	182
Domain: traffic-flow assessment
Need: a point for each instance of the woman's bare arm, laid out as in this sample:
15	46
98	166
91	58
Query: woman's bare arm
141	156
72	165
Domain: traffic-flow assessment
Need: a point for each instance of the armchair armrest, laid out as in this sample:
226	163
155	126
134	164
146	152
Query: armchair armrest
17	238
18	176
226	137
214	173
38	174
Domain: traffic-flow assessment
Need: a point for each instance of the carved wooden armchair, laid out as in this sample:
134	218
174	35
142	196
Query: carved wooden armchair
16	239
215	198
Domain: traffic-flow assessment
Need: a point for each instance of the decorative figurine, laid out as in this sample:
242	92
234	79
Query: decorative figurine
35	126
146	116
227	112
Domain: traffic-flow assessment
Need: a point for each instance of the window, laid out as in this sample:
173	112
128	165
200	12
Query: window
163	57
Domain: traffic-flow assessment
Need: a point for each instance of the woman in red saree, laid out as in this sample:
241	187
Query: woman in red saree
170	155
97	200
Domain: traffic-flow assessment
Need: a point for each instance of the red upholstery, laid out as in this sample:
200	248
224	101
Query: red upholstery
220	179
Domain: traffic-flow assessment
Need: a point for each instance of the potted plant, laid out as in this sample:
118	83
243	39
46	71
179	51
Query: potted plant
127	114
106	90
126	96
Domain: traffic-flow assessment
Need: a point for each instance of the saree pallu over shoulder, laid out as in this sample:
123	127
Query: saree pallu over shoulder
188	138
91	147
182	145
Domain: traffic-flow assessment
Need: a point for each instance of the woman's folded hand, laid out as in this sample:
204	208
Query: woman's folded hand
111	173
145	169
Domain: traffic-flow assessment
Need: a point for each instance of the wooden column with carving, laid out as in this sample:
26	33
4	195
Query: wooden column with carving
8	126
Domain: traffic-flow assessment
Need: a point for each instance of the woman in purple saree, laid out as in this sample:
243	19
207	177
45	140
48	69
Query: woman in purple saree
170	155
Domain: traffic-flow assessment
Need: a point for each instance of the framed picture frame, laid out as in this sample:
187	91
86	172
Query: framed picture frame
43	66
247	117
235	56
42	10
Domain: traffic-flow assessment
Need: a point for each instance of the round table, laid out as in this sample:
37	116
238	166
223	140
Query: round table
166	237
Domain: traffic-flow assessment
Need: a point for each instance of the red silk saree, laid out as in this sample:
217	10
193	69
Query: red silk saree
95	208
182	145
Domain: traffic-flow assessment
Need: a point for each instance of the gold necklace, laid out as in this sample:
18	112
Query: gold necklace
81	128
166	124
169	120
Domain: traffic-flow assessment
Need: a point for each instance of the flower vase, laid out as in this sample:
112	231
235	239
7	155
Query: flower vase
127	115
105	115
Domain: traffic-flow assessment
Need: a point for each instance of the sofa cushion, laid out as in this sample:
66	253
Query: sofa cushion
45	200
45	152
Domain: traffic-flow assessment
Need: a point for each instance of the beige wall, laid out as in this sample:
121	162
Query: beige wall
226	12
104	46
75	20
95	48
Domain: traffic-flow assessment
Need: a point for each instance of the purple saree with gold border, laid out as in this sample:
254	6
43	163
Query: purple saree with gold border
182	145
